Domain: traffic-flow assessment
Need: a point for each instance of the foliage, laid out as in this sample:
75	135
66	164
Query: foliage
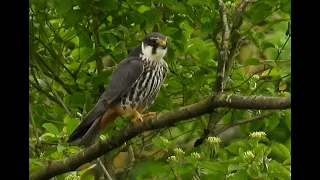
245	159
74	46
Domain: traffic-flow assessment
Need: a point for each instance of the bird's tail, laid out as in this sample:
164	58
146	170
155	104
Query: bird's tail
97	127
88	130
90	136
89	126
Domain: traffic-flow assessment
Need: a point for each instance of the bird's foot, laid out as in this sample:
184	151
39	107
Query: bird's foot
138	117
149	114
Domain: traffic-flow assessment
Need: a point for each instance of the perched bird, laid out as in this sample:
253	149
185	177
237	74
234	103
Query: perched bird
133	87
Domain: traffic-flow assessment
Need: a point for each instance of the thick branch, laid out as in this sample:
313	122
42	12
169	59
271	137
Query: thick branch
160	121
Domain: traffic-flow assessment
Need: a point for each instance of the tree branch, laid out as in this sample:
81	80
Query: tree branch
229	31
224	47
162	120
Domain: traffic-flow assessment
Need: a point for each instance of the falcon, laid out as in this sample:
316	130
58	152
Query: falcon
133	87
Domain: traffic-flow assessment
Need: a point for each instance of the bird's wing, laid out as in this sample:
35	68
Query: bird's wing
122	80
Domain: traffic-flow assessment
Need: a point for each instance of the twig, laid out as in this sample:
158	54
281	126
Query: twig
104	169
53	121
175	174
279	52
131	154
246	80
34	129
244	121
34	149
53	91
53	76
52	98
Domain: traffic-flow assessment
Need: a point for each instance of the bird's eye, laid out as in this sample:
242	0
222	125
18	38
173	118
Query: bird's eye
153	41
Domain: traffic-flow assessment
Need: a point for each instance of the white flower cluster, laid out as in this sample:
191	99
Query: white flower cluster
73	176
172	159
165	141
178	151
229	175
195	155
258	135
248	155
213	140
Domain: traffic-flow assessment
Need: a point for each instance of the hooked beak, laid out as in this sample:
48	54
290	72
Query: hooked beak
162	43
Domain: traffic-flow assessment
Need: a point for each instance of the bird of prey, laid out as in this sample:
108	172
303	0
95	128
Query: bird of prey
133	87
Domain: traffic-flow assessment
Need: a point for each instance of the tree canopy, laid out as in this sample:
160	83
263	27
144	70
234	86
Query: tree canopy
223	110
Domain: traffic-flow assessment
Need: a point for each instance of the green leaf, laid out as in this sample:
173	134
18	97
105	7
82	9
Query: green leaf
159	141
48	137
63	6
60	148
77	99
286	7
169	31
272	121
72	125
84	53
201	3
274	72
288	144
82	172
147	169
191	160
106	5
223	154
73	17
234	167
234	146
185	170
73	149
252	61
266	45
34	165
51	128
241	175
256	125
88	177
119	122
213	166
205	55
280	151
255	39
287	115
169	2
216	175
143	8
241	153
85	41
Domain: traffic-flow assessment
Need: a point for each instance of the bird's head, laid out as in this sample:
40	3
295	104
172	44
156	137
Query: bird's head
154	46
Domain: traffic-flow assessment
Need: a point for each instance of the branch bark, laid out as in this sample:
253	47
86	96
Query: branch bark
162	120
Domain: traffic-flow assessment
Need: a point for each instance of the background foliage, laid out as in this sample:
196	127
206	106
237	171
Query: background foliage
75	45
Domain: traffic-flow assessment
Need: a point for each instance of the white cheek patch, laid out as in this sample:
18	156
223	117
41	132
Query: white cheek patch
161	52
147	51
